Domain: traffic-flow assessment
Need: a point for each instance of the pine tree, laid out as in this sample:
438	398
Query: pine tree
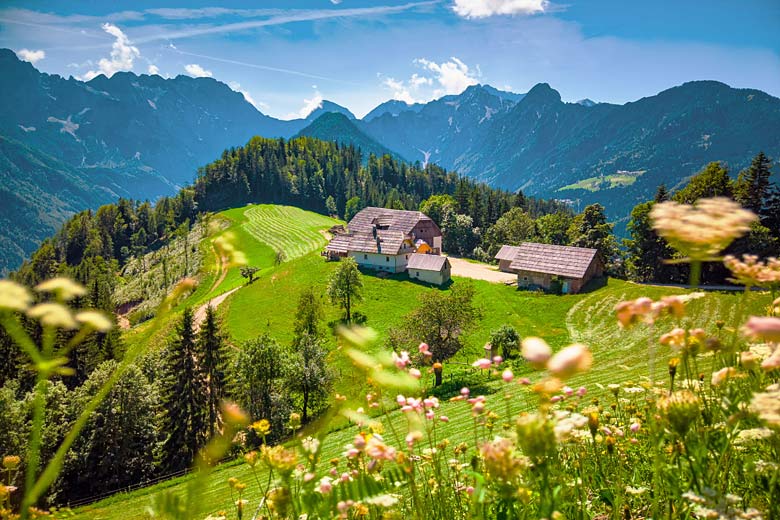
661	194
184	401
752	187
213	349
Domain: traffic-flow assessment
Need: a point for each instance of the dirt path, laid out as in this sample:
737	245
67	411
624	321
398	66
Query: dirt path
200	313
477	271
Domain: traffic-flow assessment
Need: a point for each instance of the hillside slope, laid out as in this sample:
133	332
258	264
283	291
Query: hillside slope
337	127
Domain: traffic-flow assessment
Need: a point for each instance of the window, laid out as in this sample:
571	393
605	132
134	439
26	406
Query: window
365	257
525	278
417	274
387	259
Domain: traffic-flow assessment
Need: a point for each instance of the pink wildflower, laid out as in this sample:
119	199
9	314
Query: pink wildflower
507	376
483	364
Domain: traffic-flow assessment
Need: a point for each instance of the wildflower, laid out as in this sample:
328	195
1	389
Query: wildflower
581	391
635	426
310	445
569	361
11	462
278	501
748	359
536	437
681	409
501	460
772	362
703	230
482	364
464	392
412	437
53	315
325	486
402	360
763	328
63	288
444	418
14	297
295	421
251	458
767	406
566	423
497	360
95	320
536	351
749	436
279	458
507	376
636	491
674	339
722	375
262	427
415	373
378	450
750	271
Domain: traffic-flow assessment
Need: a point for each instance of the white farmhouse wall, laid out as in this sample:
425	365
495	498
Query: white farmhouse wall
433	277
389	263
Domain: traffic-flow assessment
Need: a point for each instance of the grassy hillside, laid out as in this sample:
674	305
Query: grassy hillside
269	304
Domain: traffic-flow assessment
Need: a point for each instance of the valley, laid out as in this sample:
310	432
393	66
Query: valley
268	304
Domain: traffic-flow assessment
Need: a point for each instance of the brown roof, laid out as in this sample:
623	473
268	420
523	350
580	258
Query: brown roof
507	252
571	262
389	243
427	262
394	219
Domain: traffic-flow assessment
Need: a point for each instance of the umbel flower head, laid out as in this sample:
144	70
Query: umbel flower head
702	230
767	406
751	271
14	297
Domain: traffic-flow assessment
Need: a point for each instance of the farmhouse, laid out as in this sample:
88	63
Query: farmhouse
433	269
549	266
384	239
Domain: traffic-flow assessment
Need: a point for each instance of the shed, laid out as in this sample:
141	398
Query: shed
505	256
547	266
433	269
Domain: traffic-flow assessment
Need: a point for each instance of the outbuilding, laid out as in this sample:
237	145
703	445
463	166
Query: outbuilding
434	269
564	269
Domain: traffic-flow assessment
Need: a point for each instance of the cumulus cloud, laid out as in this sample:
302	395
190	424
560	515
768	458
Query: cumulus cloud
195	70
408	91
335	2
153	69
31	56
452	76
123	54
309	106
485	8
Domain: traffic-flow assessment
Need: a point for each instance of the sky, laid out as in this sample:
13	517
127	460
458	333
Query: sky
286	56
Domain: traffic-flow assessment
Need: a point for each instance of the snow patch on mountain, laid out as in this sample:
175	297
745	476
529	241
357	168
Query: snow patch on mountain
68	126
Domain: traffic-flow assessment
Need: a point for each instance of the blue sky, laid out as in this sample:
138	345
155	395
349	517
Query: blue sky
285	56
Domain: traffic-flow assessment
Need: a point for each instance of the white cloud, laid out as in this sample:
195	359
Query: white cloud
485	8
452	76
193	69
335	2
31	56
153	69
309	106
401	90
248	97
122	54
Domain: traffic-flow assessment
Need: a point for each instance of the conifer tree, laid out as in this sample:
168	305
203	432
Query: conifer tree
184	401
213	349
752	188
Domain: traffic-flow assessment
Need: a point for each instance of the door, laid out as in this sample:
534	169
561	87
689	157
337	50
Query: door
565	287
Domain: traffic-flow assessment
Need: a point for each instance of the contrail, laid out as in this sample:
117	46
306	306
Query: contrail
264	67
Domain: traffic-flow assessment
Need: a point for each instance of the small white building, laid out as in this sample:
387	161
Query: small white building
433	269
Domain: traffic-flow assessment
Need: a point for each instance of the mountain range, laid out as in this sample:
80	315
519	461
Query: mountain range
67	145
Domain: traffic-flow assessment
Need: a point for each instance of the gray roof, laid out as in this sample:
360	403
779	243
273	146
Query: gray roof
394	219
507	252
571	262
389	243
427	262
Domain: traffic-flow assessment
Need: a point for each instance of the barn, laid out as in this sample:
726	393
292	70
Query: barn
550	267
433	269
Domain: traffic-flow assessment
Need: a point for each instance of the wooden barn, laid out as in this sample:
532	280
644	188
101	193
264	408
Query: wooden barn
433	269
551	267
